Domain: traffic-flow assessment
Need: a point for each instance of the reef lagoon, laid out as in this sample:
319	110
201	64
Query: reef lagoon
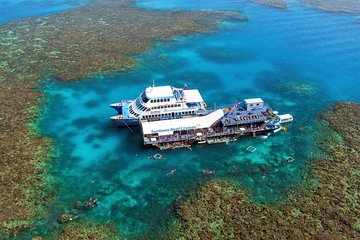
299	59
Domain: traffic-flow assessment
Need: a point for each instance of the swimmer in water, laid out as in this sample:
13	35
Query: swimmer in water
171	172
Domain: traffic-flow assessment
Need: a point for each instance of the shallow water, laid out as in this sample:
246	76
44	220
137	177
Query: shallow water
260	58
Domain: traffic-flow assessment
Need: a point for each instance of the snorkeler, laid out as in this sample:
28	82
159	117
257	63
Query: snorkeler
208	172
171	172
92	202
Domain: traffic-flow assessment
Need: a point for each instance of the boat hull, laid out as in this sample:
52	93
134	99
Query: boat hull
126	122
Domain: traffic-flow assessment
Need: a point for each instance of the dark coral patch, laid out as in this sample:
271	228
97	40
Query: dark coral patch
336	6
92	104
273	3
287	85
225	55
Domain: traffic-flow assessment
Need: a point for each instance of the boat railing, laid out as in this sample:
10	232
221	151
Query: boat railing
231	121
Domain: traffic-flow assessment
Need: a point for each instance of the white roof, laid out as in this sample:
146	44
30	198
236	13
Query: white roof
167	127
253	100
193	96
286	118
159	92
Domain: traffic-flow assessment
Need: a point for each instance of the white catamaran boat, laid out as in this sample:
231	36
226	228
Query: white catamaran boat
159	103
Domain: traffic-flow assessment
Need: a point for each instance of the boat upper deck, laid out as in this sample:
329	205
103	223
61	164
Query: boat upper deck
241	116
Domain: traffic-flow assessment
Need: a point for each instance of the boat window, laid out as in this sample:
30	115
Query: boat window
144	98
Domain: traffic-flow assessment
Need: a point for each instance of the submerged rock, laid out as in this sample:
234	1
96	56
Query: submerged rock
79	205
65	218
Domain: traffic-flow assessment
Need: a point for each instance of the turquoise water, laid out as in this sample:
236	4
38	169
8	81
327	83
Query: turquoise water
16	9
258	58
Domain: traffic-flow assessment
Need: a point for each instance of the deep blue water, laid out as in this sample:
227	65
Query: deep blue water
307	48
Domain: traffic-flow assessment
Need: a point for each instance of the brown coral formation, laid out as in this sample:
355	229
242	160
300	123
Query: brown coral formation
100	37
87	230
336	6
273	3
24	184
329	209
69	45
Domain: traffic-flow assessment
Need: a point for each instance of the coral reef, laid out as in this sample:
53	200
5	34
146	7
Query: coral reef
290	87
88	230
102	36
336	6
26	186
327	207
224	55
273	3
